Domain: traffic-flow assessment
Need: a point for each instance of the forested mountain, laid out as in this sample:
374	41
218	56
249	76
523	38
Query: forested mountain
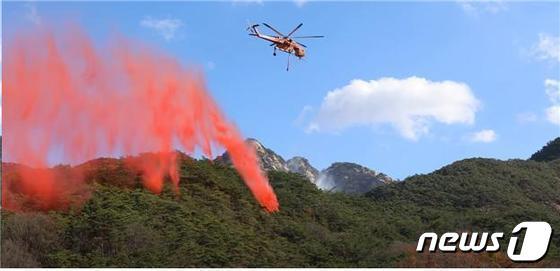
549	152
215	221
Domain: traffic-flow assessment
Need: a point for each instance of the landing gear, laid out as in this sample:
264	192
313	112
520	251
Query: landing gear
274	53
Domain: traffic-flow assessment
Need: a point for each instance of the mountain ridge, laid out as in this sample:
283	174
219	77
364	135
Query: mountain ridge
342	177
351	178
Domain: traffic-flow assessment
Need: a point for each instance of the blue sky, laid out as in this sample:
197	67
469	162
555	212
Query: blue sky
492	58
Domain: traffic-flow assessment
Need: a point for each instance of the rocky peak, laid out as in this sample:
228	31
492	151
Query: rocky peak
302	166
350	178
268	159
339	177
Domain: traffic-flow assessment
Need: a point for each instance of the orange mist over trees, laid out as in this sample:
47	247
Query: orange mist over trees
68	101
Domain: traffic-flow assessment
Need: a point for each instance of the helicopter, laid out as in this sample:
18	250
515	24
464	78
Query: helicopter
284	43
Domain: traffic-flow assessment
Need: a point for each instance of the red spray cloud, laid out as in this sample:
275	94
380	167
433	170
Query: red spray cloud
68	101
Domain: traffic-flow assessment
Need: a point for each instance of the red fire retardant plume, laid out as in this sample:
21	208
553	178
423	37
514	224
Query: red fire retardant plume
67	101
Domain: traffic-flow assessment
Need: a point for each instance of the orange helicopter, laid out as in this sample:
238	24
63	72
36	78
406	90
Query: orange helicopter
284	43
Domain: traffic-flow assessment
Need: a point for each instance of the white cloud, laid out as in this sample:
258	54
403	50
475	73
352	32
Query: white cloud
547	48
475	7
258	2
483	136
300	3
303	115
552	88
31	13
526	117
467	6
167	28
553	114
409	105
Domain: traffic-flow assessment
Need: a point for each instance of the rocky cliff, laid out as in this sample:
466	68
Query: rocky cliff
339	177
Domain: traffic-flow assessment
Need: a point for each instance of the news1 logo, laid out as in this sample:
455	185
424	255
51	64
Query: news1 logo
532	248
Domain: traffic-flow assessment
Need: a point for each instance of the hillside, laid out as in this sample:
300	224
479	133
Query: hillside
215	222
549	152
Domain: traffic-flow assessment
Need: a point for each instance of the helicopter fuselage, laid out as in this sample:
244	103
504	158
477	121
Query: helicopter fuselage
284	44
290	47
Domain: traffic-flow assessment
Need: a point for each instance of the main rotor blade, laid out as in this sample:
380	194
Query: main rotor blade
307	37
295	29
272	28
301	44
